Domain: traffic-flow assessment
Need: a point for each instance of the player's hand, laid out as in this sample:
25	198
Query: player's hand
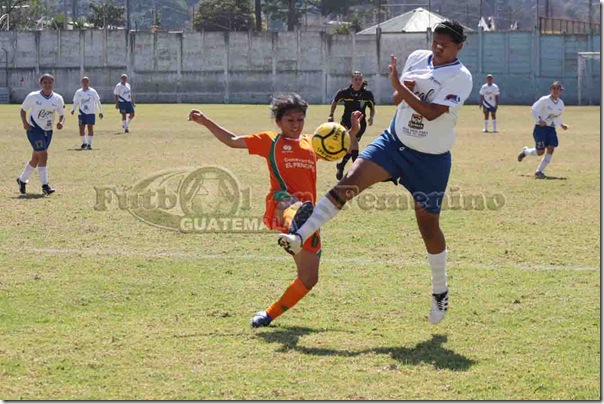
71	112
330	118
27	126
542	123
117	106
59	125
355	120
101	115
410	84
394	73
197	116
370	121
563	126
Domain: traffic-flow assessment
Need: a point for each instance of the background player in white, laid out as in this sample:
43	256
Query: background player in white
124	101
413	152
547	112
489	101
42	106
88	100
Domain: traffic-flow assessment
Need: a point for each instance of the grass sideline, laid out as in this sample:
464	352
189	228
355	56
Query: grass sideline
98	305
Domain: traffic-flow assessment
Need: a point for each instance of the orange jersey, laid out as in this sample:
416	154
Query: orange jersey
292	166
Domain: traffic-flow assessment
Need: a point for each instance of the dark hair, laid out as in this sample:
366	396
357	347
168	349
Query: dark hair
451	28
284	102
46	75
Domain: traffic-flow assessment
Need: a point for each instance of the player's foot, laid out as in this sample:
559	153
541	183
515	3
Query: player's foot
261	319
522	154
485	131
340	171
539	175
83	146
126	130
301	216
292	243
21	186
89	147
495	131
440	304
47	190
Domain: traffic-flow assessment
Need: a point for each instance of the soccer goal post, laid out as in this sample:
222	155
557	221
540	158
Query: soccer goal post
588	78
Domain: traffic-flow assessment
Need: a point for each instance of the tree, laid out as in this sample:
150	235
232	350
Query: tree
19	14
106	14
224	15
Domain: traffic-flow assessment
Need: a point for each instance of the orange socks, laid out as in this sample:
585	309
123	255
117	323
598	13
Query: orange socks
292	295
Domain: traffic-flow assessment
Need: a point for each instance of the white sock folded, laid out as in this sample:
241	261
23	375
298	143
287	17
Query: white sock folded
438	265
24	177
544	162
322	213
43	173
494	125
530	152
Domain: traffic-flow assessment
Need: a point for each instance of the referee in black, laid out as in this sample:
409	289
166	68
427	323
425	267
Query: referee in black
356	97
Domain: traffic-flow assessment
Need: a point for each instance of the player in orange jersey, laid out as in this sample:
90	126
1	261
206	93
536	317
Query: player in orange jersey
292	166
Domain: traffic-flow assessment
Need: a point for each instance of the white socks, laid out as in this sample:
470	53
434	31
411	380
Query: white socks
43	173
494	125
24	177
83	137
90	140
438	264
544	162
486	124
322	213
125	124
530	152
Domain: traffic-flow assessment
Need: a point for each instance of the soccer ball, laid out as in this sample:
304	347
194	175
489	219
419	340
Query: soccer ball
331	141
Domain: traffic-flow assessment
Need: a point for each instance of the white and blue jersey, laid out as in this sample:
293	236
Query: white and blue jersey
415	151
550	111
489	96
87	101
42	110
448	85
124	95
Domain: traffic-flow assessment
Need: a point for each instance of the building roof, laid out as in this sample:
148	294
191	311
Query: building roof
417	20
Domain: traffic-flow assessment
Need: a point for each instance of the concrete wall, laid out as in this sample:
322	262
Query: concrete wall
240	67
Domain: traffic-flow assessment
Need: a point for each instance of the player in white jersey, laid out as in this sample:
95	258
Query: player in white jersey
88	100
547	112
124	101
42	106
489	101
413	152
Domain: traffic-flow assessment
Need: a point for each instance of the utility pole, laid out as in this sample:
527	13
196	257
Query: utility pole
74	10
127	15
291	15
258	12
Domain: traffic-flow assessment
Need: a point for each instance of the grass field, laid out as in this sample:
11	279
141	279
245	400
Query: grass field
99	305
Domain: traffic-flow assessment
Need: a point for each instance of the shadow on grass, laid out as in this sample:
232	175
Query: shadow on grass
430	352
547	177
29	196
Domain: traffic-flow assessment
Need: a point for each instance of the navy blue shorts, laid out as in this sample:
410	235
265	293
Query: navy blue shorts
87	119
126	107
489	109
39	139
424	175
545	136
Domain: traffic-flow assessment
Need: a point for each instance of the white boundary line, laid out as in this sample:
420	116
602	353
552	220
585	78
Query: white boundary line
284	257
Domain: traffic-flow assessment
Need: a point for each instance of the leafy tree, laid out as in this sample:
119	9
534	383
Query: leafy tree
106	13
224	15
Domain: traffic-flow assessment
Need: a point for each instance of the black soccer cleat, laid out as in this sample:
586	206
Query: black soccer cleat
21	186
47	190
340	171
301	216
83	146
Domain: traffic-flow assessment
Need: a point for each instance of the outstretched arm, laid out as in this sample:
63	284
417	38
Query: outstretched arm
356	118
402	93
226	137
